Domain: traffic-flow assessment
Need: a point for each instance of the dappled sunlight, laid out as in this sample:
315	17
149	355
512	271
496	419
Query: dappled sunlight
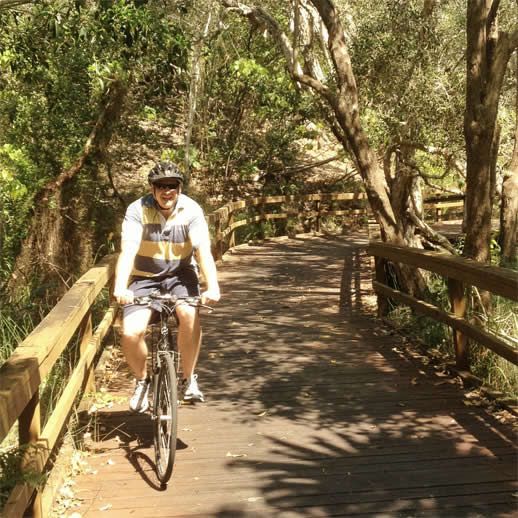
361	472
313	408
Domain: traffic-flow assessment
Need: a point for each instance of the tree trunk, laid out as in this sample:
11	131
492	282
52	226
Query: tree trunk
46	253
488	52
509	207
509	219
196	72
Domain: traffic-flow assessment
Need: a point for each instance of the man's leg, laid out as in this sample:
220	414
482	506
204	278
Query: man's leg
133	344
189	337
189	343
135	350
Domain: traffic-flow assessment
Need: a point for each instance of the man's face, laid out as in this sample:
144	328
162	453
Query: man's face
166	192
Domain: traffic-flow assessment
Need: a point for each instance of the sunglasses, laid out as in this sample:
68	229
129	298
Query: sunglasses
166	186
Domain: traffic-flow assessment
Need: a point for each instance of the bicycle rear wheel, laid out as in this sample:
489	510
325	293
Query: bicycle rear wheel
165	412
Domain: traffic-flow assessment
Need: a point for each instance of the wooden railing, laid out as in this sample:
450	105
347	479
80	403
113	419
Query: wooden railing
441	206
234	215
23	373
460	273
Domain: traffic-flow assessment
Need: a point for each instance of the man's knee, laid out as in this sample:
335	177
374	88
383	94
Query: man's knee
188	316
134	325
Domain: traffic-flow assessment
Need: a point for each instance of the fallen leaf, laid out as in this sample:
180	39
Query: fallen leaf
263	413
236	454
106	507
110	462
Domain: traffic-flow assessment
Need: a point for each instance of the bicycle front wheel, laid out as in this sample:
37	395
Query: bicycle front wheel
165	412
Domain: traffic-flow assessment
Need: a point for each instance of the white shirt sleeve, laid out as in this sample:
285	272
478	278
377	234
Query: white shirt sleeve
132	226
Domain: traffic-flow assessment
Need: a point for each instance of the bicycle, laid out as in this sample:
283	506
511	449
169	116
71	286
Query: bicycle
165	367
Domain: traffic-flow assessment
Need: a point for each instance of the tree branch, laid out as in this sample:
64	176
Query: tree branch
8	4
428	232
263	19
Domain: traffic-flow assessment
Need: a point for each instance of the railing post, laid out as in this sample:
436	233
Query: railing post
458	307
261	211
232	238
85	331
29	433
217	232
381	277
317	222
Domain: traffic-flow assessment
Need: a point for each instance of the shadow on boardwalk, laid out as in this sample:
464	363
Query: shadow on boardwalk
314	409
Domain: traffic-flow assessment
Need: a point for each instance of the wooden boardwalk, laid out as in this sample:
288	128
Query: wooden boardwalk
313	410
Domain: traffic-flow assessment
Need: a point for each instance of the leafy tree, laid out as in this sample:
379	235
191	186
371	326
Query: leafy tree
65	70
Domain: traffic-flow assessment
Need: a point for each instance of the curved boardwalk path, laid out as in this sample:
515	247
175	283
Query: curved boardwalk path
313	410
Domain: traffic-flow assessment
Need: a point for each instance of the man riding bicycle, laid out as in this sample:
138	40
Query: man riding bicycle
164	239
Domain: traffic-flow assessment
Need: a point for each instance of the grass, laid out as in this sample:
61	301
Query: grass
493	370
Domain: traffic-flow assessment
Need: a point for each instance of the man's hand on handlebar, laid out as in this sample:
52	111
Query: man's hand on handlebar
124	296
210	297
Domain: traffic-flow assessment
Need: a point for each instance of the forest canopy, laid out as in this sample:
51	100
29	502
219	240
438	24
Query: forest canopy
247	94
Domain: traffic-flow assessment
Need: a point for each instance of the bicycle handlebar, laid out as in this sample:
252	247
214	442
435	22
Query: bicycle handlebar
171	300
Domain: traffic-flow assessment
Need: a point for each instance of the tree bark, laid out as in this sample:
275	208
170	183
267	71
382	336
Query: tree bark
508	238
488	52
509	220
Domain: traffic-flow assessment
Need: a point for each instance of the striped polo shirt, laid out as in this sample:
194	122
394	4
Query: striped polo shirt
164	246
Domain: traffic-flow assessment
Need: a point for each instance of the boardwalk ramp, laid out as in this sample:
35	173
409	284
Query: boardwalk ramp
313	409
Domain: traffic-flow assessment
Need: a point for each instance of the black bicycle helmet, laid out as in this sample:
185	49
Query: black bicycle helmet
164	170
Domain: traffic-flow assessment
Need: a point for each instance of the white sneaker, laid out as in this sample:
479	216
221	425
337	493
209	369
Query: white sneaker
191	390
139	401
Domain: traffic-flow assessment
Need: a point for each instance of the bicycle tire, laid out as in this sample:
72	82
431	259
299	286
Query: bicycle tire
165	412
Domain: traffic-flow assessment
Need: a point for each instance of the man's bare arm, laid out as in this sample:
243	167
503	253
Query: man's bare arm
124	267
208	269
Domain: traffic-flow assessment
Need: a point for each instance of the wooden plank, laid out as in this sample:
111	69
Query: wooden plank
309	412
500	281
43	447
442	205
479	335
17	502
31	361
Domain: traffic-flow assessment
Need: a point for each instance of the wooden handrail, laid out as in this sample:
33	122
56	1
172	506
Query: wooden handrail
31	361
225	223
459	272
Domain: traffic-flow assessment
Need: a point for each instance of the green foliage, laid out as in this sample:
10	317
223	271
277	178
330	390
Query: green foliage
57	62
11	475
15	324
16	174
251	114
411	83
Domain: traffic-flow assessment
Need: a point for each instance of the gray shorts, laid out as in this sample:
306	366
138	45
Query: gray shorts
184	284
